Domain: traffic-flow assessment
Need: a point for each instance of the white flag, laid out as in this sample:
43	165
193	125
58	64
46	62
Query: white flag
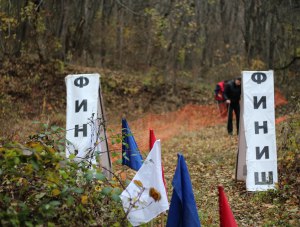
146	197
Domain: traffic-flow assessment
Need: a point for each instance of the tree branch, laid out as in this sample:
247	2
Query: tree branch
288	64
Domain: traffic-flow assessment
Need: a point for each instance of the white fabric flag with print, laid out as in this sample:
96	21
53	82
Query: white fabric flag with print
146	197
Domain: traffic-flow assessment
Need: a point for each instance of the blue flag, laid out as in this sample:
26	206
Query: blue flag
183	211
130	152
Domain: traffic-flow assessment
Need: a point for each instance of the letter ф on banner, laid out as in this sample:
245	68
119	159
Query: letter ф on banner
86	135
257	156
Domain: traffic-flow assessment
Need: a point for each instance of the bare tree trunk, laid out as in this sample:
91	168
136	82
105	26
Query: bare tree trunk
21	36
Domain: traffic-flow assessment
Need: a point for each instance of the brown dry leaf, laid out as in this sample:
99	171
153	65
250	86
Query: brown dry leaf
123	176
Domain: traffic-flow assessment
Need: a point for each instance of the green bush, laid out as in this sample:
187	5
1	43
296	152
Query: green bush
39	186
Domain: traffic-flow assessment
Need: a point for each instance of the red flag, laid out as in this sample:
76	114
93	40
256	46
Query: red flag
152	140
226	216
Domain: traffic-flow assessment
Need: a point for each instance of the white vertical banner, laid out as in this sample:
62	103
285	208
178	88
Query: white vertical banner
258	136
86	137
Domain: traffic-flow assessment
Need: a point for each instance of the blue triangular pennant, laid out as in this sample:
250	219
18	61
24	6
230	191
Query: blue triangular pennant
183	210
130	152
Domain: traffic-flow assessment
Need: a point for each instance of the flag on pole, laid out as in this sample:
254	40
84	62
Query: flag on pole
226	216
130	152
183	210
152	140
146	197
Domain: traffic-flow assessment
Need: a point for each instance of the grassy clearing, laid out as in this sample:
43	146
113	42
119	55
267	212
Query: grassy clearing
211	156
209	152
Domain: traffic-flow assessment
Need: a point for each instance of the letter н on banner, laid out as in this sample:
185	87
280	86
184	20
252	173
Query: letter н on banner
85	124
257	156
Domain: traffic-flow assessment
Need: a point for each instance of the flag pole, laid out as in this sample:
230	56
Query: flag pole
152	223
162	219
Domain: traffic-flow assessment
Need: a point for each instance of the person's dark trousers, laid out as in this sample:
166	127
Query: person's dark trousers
236	108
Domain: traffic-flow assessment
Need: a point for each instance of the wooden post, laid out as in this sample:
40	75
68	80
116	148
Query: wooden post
162	219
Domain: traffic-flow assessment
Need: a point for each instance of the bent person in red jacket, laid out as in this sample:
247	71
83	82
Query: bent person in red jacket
219	97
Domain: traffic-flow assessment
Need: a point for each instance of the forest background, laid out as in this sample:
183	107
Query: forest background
153	56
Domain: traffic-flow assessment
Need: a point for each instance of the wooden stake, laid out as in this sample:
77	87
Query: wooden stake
152	223
162	219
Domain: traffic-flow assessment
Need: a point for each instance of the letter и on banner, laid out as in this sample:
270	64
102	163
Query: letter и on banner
85	123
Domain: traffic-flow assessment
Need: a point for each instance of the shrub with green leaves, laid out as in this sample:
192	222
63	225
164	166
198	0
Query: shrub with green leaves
39	186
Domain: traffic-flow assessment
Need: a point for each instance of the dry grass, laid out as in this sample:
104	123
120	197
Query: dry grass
211	157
